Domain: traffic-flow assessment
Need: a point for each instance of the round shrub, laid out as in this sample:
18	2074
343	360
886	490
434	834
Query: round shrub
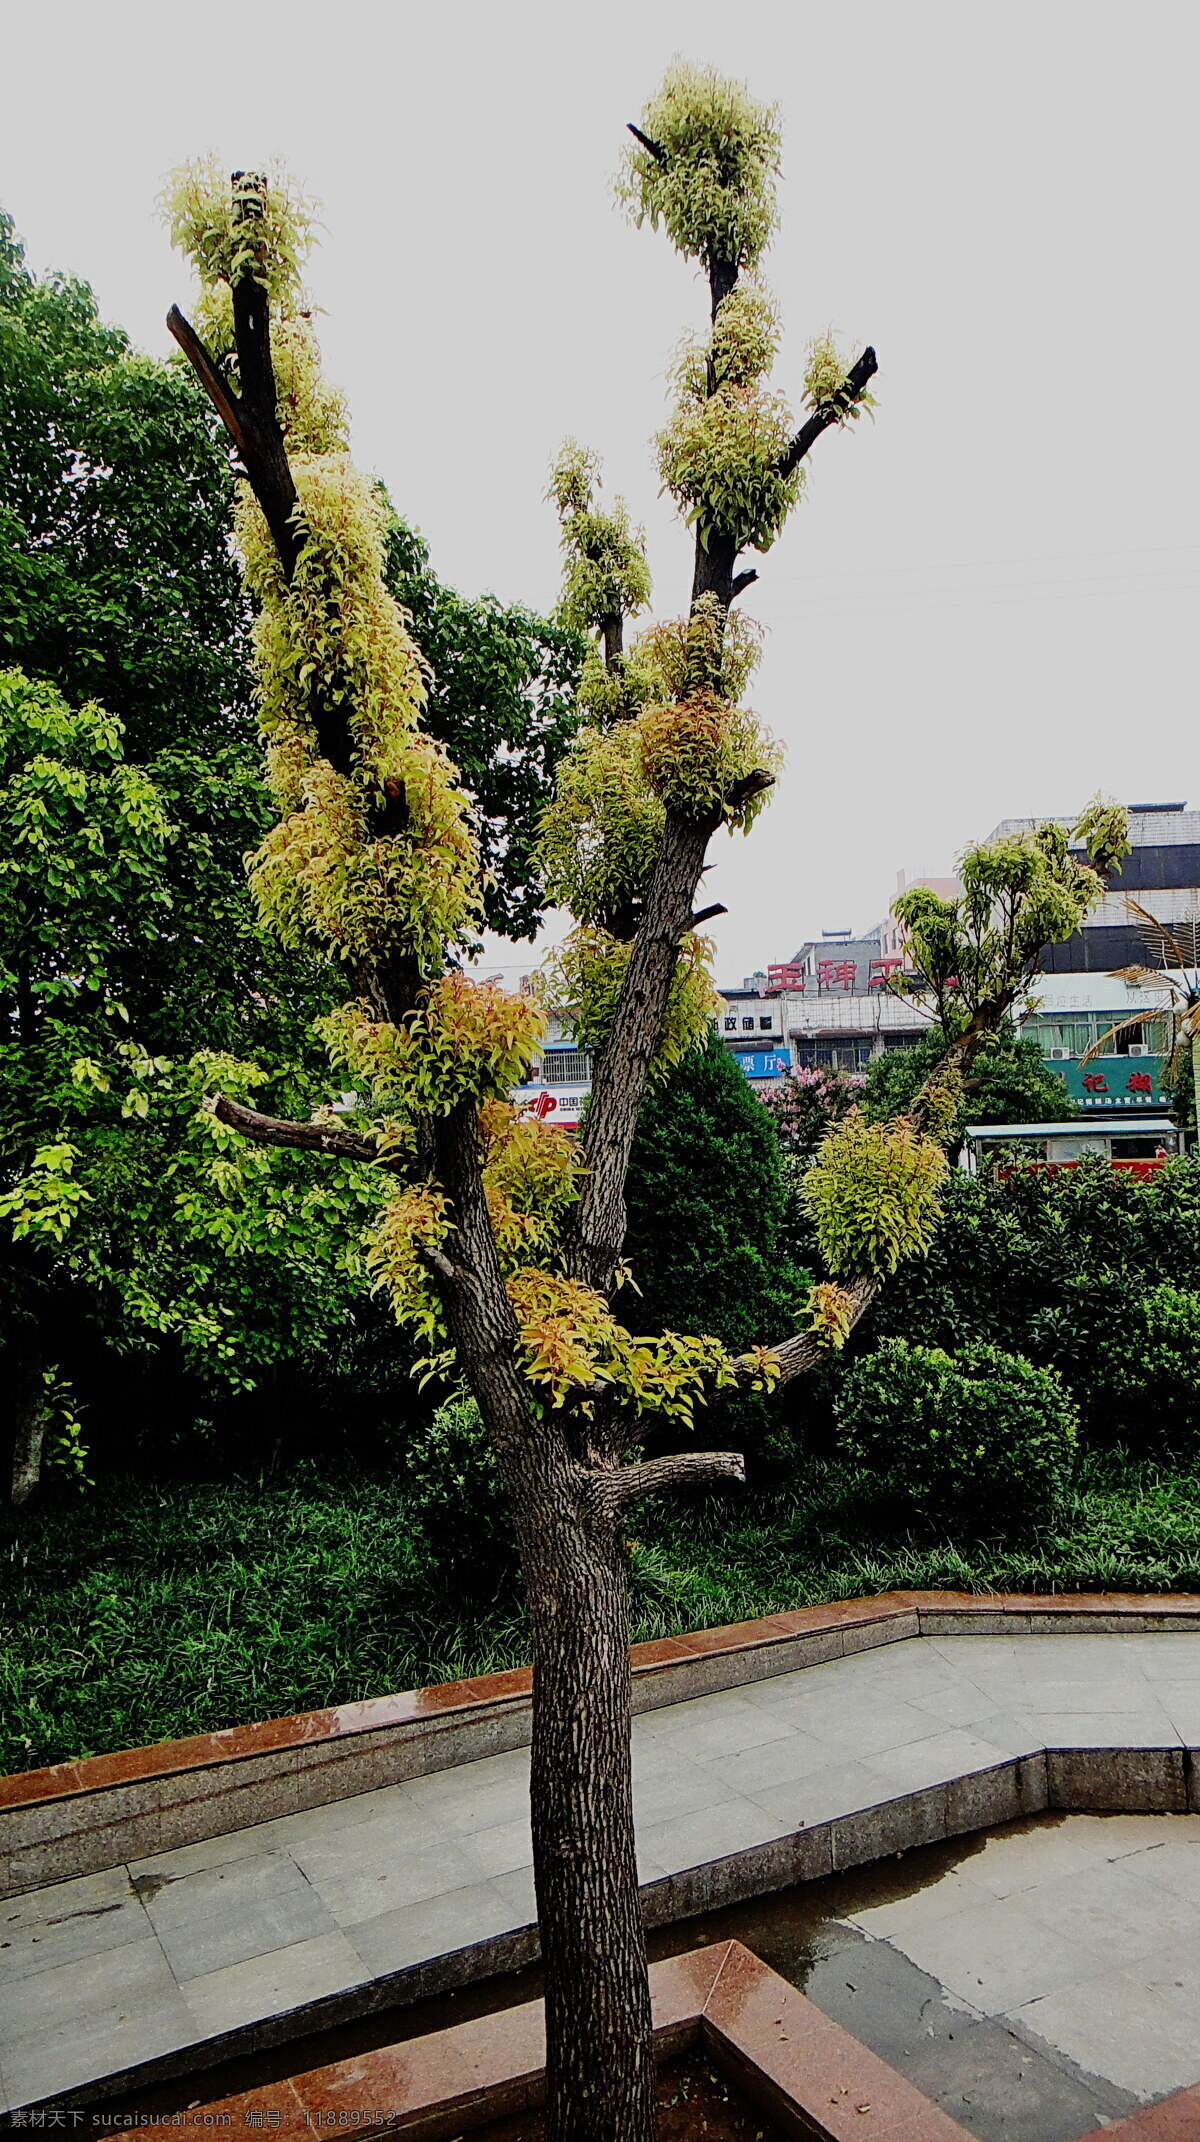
457	1499
1140	1379
979	1441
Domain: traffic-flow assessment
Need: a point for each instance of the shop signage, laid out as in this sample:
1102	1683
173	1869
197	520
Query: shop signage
562	1106
763	1063
1115	1082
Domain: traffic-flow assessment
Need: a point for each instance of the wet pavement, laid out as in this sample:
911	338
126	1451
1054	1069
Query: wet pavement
1037	1981
874	1949
346	1910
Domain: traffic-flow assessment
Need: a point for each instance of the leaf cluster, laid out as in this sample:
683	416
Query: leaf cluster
720	457
713	185
873	1194
584	975
606	576
465	1040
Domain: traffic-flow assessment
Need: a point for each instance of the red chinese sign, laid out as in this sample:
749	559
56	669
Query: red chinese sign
1095	1082
1139	1082
832	971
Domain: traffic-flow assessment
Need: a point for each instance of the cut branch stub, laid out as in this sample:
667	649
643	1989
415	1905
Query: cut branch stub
656	148
610	1494
830	412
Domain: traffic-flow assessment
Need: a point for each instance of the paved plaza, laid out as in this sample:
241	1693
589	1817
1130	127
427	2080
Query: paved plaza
105	1974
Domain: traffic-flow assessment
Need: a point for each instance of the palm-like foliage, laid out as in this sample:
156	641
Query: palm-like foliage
1177	953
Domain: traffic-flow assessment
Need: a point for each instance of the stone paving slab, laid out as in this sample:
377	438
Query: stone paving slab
305	1920
1083	1938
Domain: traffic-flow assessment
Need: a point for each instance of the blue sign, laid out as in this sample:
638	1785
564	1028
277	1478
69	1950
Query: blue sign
763	1063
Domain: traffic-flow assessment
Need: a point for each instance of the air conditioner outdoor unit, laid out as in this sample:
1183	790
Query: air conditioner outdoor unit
1057	1056
1138	1048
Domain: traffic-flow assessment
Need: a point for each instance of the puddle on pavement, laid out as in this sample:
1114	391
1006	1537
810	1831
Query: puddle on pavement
1000	2086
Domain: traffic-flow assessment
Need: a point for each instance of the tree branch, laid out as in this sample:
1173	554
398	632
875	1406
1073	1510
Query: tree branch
830	412
753	785
706	914
741	581
226	403
330	1138
623	1064
611	1493
656	148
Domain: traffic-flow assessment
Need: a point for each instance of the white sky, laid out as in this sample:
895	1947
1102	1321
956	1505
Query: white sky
986	606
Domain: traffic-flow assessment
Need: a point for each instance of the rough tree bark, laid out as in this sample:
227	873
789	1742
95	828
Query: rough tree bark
28	1411
569	1486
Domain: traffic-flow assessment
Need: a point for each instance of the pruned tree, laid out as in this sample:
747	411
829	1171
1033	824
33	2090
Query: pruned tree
497	1238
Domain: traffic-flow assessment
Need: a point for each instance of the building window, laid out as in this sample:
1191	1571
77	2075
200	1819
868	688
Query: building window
567	1067
835	1055
747	1026
766	1024
731	1026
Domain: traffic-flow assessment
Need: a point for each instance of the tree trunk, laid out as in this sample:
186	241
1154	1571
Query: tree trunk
28	1418
600	2070
1195	1094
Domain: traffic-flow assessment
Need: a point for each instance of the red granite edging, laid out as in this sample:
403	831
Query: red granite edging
74	1818
1173	2119
809	2075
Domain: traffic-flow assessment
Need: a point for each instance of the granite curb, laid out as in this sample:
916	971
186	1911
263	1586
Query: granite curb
100	1812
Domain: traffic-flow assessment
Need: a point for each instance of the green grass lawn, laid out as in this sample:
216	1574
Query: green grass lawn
141	1612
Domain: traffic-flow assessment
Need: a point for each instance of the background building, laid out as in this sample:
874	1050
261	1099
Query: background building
1078	996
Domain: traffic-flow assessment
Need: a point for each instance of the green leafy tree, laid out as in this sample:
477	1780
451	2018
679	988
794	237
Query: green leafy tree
1011	1082
497	1239
117	584
83	837
117	1197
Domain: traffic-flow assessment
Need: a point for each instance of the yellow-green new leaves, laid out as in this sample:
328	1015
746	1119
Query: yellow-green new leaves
226	228
531	1178
322	882
720	458
831	1314
1104	830
688	749
712	186
598	839
713	647
416	1219
585	974
873	1194
695	752
466	1040
572	1341
331	638
335	630
825	377
606	575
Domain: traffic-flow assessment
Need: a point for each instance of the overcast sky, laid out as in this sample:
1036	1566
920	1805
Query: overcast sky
986	605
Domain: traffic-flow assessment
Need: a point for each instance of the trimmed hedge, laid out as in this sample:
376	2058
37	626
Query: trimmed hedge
981	1441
